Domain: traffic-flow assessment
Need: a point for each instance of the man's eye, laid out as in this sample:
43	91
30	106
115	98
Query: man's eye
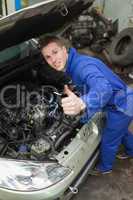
55	52
47	57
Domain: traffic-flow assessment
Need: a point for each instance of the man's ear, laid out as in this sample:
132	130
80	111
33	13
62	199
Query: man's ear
64	49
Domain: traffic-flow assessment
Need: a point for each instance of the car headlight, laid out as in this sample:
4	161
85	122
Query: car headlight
30	176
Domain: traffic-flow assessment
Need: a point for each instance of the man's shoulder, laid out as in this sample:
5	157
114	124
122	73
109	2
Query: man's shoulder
77	55
88	59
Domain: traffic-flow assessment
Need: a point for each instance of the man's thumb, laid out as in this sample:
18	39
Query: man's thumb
67	91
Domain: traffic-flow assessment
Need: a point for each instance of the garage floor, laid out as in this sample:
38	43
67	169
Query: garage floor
115	186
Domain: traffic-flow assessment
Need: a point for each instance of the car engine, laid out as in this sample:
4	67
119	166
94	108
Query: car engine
35	129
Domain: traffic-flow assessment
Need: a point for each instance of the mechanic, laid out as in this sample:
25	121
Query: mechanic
100	89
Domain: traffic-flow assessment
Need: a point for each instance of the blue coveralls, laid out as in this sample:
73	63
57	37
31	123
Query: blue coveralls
101	89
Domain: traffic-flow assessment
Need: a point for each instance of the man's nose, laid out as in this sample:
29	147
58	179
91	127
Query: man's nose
53	59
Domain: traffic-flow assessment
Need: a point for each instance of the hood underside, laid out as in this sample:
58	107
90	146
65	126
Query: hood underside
46	17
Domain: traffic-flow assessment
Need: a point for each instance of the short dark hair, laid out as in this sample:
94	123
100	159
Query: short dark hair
44	41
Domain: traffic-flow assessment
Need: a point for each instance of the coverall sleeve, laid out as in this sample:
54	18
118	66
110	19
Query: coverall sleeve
99	89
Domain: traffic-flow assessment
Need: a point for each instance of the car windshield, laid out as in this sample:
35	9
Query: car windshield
17	51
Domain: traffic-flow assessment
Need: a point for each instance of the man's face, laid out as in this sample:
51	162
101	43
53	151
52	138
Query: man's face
55	55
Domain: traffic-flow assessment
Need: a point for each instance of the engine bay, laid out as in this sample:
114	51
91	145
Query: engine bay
32	123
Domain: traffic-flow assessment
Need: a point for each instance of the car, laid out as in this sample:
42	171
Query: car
44	154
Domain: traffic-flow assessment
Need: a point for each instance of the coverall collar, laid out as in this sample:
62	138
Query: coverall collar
71	54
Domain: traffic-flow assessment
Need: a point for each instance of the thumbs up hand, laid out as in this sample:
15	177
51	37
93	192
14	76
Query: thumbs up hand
72	104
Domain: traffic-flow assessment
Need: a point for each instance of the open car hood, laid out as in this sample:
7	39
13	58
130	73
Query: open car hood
45	17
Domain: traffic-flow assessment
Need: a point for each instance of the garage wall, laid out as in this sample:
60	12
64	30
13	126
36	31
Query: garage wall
34	1
121	9
7	7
